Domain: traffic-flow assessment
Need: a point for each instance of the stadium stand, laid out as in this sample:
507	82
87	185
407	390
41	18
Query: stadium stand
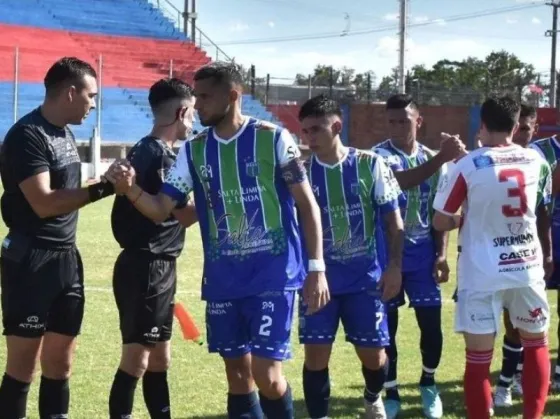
288	114
138	44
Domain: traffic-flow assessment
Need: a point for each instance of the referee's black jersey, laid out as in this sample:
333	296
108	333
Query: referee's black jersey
151	159
32	146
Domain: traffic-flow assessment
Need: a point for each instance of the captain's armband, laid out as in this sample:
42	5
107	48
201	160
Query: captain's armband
294	172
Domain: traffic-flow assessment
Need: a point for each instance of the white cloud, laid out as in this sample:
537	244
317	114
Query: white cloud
440	22
271	24
391	16
536	21
511	21
420	19
238	27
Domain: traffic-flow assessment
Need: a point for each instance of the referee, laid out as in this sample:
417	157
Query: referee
145	275
41	269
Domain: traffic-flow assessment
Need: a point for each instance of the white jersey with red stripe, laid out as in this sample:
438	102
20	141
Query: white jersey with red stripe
498	190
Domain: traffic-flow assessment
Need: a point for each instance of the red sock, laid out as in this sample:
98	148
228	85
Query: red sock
536	381
478	390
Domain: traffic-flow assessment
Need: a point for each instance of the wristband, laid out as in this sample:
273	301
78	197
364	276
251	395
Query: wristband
316	265
100	190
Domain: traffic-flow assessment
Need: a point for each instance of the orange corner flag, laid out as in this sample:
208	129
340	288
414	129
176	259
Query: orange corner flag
188	326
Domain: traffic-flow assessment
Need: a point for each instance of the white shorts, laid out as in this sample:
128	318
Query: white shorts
480	313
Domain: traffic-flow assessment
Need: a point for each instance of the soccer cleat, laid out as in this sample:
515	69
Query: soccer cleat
516	387
375	410
502	397
431	402
392	408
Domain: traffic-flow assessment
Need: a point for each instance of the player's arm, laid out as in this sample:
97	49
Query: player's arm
452	192
385	197
451	148
316	290
31	170
176	187
186	215
386	194
543	212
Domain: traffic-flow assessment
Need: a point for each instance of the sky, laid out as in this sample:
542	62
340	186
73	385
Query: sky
247	29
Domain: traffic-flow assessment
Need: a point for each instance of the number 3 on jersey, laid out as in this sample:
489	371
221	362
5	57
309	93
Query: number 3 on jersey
517	192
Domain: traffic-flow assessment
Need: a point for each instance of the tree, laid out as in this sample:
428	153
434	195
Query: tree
344	77
471	80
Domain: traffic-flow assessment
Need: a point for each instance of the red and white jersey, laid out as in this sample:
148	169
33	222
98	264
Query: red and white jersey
498	190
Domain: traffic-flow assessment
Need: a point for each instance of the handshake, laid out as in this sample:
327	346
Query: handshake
451	147
122	175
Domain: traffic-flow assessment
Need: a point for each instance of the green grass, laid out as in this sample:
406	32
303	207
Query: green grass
197	381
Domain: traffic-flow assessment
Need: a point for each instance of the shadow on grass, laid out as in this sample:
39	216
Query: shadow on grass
451	395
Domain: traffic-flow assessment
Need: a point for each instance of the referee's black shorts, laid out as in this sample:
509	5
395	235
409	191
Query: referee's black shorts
42	289
144	285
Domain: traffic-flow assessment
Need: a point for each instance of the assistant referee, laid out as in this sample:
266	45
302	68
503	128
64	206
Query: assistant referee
145	275
41	269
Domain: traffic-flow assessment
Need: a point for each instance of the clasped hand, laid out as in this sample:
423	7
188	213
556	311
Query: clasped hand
122	175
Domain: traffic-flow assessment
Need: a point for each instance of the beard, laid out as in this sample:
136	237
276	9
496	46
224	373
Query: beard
214	119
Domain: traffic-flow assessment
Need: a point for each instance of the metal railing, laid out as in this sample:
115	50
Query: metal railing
201	40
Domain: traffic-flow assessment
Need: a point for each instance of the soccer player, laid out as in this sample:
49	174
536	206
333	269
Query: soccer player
424	257
501	260
40	266
145	273
512	350
549	148
247	178
351	186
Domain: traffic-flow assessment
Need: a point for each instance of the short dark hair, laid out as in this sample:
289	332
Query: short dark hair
67	71
319	106
168	89
527	111
401	101
500	114
221	72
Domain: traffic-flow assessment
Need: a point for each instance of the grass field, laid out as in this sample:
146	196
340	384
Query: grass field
197	383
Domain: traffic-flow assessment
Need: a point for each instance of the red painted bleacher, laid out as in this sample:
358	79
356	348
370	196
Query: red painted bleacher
128	62
288	114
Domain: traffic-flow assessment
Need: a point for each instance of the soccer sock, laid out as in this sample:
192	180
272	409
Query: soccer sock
536	380
374	382
13	398
521	361
391	386
121	398
317	391
54	398
478	390
431	342
511	356
156	394
244	406
282	408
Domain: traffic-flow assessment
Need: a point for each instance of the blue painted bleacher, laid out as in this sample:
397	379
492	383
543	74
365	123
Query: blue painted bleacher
125	113
112	17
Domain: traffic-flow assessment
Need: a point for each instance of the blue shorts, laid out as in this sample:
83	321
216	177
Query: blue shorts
554	282
362	314
421	289
259	324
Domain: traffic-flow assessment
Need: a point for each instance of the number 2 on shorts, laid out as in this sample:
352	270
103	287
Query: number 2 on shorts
264	330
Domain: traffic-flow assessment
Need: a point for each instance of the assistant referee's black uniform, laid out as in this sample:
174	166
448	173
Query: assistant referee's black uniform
145	273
